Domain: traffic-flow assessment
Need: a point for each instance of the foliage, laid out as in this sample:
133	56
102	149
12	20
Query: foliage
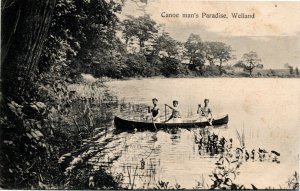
291	68
43	130
240	64
141	28
165	45
272	72
212	70
251	61
36	127
218	51
172	66
29	135
83	178
166	186
293	182
136	65
77	29
22	38
195	50
107	61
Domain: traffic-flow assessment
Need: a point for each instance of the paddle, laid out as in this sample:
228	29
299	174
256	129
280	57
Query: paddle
165	112
169	106
154	124
152	120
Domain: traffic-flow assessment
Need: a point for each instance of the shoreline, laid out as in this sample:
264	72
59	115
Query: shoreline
108	79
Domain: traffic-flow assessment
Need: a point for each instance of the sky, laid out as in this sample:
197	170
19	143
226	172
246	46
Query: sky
274	33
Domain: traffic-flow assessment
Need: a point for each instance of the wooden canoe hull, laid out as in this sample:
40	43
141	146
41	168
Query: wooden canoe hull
130	125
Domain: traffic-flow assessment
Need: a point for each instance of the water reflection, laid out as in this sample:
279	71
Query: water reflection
147	159
150	159
137	165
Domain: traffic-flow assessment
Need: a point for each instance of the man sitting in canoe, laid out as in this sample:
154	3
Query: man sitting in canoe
205	113
175	116
155	111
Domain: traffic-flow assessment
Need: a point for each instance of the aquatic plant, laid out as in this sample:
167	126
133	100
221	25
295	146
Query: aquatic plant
131	176
293	182
162	185
241	137
229	159
201	184
83	178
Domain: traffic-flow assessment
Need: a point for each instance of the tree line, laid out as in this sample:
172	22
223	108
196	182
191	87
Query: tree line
88	37
146	49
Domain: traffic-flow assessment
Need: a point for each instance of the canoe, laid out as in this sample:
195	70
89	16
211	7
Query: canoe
121	123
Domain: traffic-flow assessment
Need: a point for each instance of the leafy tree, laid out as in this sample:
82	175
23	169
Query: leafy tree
208	54
165	45
297	71
22	39
78	30
218	51
137	65
251	61
195	50
291	69
24	29
129	30
107	60
142	28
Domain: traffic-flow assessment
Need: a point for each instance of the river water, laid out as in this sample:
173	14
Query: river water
266	110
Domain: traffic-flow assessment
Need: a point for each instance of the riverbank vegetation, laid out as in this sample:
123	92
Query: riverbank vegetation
41	118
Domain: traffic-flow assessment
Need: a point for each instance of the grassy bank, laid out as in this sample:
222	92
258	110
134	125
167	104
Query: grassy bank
35	135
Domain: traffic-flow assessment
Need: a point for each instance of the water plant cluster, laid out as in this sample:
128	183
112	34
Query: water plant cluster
211	143
228	162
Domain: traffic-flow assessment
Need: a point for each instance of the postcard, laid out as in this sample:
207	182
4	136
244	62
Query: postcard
149	94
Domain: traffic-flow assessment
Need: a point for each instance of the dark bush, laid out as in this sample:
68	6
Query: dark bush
172	67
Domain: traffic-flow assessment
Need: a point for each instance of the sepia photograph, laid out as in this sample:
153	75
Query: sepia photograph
149	94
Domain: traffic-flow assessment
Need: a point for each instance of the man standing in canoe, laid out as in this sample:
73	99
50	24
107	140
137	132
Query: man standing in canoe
175	116
155	111
205	113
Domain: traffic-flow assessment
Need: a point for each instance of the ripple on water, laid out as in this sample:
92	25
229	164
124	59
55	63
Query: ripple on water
253	107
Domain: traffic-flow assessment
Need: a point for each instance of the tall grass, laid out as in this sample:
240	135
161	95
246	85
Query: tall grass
241	137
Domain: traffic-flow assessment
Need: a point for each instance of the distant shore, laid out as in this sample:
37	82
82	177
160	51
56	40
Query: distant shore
107	79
